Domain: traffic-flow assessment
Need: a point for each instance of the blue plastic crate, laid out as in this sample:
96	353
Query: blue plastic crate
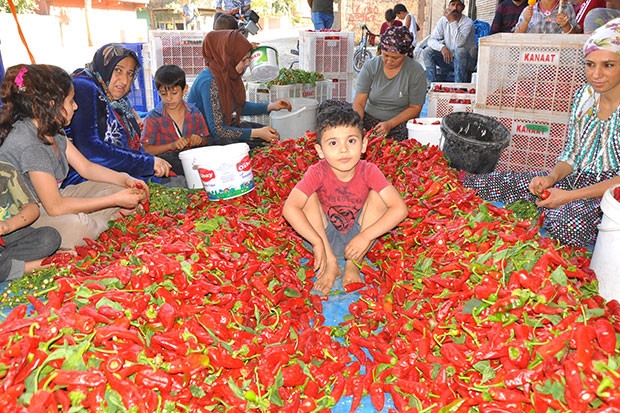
137	96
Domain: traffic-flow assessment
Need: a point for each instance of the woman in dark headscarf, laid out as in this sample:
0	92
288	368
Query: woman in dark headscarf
391	88
219	92
105	127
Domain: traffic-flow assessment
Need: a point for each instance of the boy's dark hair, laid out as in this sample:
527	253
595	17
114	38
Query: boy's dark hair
225	22
169	76
390	15
337	115
399	8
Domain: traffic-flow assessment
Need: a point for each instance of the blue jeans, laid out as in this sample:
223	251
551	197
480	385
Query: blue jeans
322	20
463	64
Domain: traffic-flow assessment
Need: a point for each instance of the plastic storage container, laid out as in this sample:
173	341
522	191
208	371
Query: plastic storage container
537	139
326	51
300	119
605	259
473	142
427	131
445	98
531	72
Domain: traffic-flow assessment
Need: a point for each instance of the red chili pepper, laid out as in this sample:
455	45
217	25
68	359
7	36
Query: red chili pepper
584	335
605	335
354	286
91	378
544	194
377	395
153	379
2	243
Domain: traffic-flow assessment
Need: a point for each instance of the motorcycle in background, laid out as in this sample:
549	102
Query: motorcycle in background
248	21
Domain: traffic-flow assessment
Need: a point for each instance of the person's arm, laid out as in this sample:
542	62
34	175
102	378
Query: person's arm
436	39
293	212
359	103
26	216
55	204
464	29
98	173
524	20
87	131
498	19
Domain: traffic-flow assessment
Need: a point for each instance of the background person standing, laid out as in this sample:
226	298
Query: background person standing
322	13
190	16
507	16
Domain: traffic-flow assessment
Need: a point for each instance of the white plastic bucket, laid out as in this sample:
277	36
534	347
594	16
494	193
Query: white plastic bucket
605	259
264	63
225	170
191	174
300	119
427	131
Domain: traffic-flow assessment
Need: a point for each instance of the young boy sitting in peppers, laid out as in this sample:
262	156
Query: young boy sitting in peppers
342	204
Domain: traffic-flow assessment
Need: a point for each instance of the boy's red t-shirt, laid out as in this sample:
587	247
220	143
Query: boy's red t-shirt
342	201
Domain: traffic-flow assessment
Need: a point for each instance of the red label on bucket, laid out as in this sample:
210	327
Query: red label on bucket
206	174
245	164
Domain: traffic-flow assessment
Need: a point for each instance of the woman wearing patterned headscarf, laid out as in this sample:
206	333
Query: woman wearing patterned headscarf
391	87
105	128
571	193
219	92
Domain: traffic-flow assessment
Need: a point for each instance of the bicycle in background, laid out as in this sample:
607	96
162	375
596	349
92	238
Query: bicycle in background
362	54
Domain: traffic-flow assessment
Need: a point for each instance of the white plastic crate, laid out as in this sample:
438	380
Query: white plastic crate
447	97
536	139
178	47
262	93
326	51
341	86
530	72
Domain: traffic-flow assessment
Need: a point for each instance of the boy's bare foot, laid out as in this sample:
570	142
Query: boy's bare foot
351	274
326	281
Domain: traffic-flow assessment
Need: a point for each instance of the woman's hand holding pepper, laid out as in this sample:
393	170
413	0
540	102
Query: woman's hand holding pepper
161	167
540	183
267	133
383	128
138	186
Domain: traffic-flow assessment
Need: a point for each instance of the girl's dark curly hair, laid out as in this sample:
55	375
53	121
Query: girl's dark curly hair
37	92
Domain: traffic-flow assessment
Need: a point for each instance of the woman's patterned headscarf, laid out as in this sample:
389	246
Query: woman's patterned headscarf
606	37
397	40
101	69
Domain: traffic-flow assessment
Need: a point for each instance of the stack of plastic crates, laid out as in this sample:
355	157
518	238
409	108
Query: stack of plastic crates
263	93
330	53
528	82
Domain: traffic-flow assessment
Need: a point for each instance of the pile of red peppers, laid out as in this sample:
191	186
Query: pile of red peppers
208	308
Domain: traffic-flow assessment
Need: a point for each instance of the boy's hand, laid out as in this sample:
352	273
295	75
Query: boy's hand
320	260
4	228
195	141
179	144
357	248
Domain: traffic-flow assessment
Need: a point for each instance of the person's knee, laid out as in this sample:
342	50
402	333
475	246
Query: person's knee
461	54
373	209
50	240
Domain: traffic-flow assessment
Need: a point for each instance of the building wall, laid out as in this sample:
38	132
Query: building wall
65	34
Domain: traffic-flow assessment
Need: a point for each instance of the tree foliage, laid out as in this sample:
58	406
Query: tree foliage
21	6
